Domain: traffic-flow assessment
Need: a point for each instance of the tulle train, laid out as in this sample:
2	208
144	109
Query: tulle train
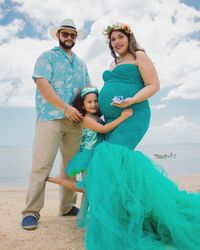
133	204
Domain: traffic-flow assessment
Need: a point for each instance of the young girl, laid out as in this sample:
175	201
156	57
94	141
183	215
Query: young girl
86	101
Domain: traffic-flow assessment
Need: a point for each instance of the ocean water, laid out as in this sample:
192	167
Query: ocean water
186	162
15	166
15	163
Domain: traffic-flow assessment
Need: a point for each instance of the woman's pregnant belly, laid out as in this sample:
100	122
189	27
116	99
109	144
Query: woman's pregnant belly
112	89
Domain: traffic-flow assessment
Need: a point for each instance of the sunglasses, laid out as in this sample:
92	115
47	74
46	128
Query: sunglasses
66	35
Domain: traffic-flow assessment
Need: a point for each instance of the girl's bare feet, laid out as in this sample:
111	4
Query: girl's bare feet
57	179
65	183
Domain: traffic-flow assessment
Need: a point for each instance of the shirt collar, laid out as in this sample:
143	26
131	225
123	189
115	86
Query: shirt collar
59	50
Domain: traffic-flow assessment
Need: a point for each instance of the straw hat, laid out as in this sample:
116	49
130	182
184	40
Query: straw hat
65	24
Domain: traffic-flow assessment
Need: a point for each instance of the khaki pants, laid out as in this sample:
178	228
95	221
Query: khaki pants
49	137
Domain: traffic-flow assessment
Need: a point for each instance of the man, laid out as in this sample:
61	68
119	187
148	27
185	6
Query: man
58	74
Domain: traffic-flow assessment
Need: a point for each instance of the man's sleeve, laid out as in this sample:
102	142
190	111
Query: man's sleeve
43	67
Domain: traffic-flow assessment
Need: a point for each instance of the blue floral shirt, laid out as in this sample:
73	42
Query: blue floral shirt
65	76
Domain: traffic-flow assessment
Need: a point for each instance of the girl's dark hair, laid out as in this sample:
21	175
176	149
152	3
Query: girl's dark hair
78	103
133	45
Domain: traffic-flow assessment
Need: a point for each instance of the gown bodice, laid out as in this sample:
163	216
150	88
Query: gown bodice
124	80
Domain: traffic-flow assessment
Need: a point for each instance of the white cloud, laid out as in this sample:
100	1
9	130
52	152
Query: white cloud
176	130
19	55
163	28
53	11
9	31
158	107
189	89
1	9
166	41
187	76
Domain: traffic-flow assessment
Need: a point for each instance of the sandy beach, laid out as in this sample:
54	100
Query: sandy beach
54	232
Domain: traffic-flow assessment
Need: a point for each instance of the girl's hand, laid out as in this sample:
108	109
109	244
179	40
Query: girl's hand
124	104
126	113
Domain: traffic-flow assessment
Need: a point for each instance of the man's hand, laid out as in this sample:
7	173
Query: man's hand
73	114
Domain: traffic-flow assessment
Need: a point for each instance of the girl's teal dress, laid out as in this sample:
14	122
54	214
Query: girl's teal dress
81	160
132	203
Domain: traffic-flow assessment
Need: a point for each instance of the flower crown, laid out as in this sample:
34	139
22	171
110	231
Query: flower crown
117	26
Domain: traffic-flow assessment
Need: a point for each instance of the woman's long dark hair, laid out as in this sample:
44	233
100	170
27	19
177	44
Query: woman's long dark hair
78	103
133	45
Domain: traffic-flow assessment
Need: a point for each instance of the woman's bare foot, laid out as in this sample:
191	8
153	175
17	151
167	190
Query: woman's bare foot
57	179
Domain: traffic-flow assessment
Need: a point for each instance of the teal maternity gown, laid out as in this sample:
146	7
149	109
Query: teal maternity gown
131	203
125	80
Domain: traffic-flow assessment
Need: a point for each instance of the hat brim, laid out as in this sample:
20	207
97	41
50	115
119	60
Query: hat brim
53	31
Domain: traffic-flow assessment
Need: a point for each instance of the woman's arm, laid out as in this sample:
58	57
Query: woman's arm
149	76
150	79
89	122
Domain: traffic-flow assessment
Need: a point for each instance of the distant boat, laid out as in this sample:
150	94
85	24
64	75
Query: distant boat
165	156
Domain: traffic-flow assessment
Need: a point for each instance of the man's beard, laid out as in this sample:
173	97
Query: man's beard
64	46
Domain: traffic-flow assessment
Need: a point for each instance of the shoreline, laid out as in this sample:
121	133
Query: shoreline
190	183
54	232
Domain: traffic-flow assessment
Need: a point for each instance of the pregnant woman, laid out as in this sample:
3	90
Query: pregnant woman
130	202
132	75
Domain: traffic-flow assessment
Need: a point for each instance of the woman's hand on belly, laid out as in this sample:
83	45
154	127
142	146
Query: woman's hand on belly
124	104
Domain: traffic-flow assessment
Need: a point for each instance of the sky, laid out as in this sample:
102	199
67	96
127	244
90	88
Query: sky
169	31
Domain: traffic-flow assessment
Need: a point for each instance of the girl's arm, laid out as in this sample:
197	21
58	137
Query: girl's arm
91	123
150	79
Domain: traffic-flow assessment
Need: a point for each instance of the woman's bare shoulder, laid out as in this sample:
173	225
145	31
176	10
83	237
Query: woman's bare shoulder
140	54
142	57
112	65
